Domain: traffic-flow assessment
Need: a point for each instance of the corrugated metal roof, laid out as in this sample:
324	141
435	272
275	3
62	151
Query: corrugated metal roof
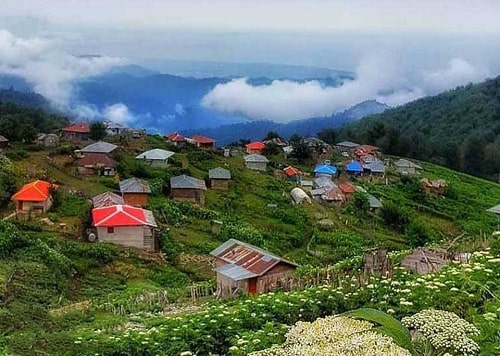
134	185
377	167
99	147
404	163
495	209
249	258
219	173
348	144
3	139
255	158
374	202
107	199
122	215
96	160
354	166
235	272
156	154
187	182
324	182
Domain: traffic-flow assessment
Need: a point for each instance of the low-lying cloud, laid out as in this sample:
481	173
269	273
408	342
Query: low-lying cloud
47	67
381	78
118	113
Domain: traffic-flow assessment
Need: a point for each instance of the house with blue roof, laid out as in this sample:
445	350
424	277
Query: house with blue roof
354	168
325	170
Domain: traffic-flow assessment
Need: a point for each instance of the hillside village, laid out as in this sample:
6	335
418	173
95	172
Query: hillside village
180	216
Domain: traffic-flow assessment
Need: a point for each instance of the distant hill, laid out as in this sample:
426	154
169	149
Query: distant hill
256	130
459	128
25	99
208	69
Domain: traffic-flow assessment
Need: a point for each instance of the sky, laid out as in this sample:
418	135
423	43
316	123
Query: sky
417	47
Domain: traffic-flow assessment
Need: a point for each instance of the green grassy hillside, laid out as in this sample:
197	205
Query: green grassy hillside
54	286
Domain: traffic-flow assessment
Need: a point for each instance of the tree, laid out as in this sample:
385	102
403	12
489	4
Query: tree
271	149
301	151
328	135
270	135
97	130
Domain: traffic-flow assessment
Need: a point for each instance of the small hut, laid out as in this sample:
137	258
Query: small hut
186	188
256	162
219	178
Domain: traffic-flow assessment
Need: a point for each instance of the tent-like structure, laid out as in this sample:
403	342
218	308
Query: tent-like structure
354	167
325	169
299	196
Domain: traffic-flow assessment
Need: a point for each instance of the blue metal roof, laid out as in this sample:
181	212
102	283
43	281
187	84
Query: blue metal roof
325	169
354	166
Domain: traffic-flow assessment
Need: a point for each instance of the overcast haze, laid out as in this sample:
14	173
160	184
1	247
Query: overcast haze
413	48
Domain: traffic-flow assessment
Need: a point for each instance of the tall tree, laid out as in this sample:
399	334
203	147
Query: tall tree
97	130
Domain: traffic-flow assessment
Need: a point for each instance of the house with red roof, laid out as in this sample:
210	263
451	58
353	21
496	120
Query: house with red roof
34	197
76	132
125	225
347	189
245	268
255	147
176	139
203	141
292	173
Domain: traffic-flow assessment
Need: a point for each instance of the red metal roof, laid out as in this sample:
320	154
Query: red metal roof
347	187
291	171
368	148
255	146
176	137
333	194
119	215
202	139
38	190
96	160
82	128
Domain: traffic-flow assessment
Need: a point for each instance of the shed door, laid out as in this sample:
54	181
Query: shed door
252	286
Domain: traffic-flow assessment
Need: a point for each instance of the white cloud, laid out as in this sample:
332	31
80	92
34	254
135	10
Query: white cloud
119	114
43	63
380	77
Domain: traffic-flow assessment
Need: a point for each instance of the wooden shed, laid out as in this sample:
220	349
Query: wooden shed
243	268
135	191
256	162
126	225
219	178
186	188
404	166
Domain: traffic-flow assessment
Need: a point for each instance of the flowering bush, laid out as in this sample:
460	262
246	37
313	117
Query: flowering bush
334	335
445	331
255	323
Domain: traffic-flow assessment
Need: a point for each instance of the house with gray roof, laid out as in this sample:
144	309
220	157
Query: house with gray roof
374	202
219	178
4	141
99	147
256	162
375	168
186	188
135	191
156	157
405	166
107	199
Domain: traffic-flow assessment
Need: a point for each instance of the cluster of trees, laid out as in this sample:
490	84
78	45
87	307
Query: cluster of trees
22	125
459	129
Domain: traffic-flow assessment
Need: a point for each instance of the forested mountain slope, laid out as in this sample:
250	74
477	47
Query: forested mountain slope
459	128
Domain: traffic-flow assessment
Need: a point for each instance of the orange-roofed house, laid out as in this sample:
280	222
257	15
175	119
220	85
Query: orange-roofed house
255	147
76	132
34	197
347	189
126	225
292	173
176	139
203	141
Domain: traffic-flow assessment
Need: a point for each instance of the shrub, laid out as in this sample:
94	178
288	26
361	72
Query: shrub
17	154
417	234
394	216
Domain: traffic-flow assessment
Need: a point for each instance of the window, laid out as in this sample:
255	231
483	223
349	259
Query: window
111	230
